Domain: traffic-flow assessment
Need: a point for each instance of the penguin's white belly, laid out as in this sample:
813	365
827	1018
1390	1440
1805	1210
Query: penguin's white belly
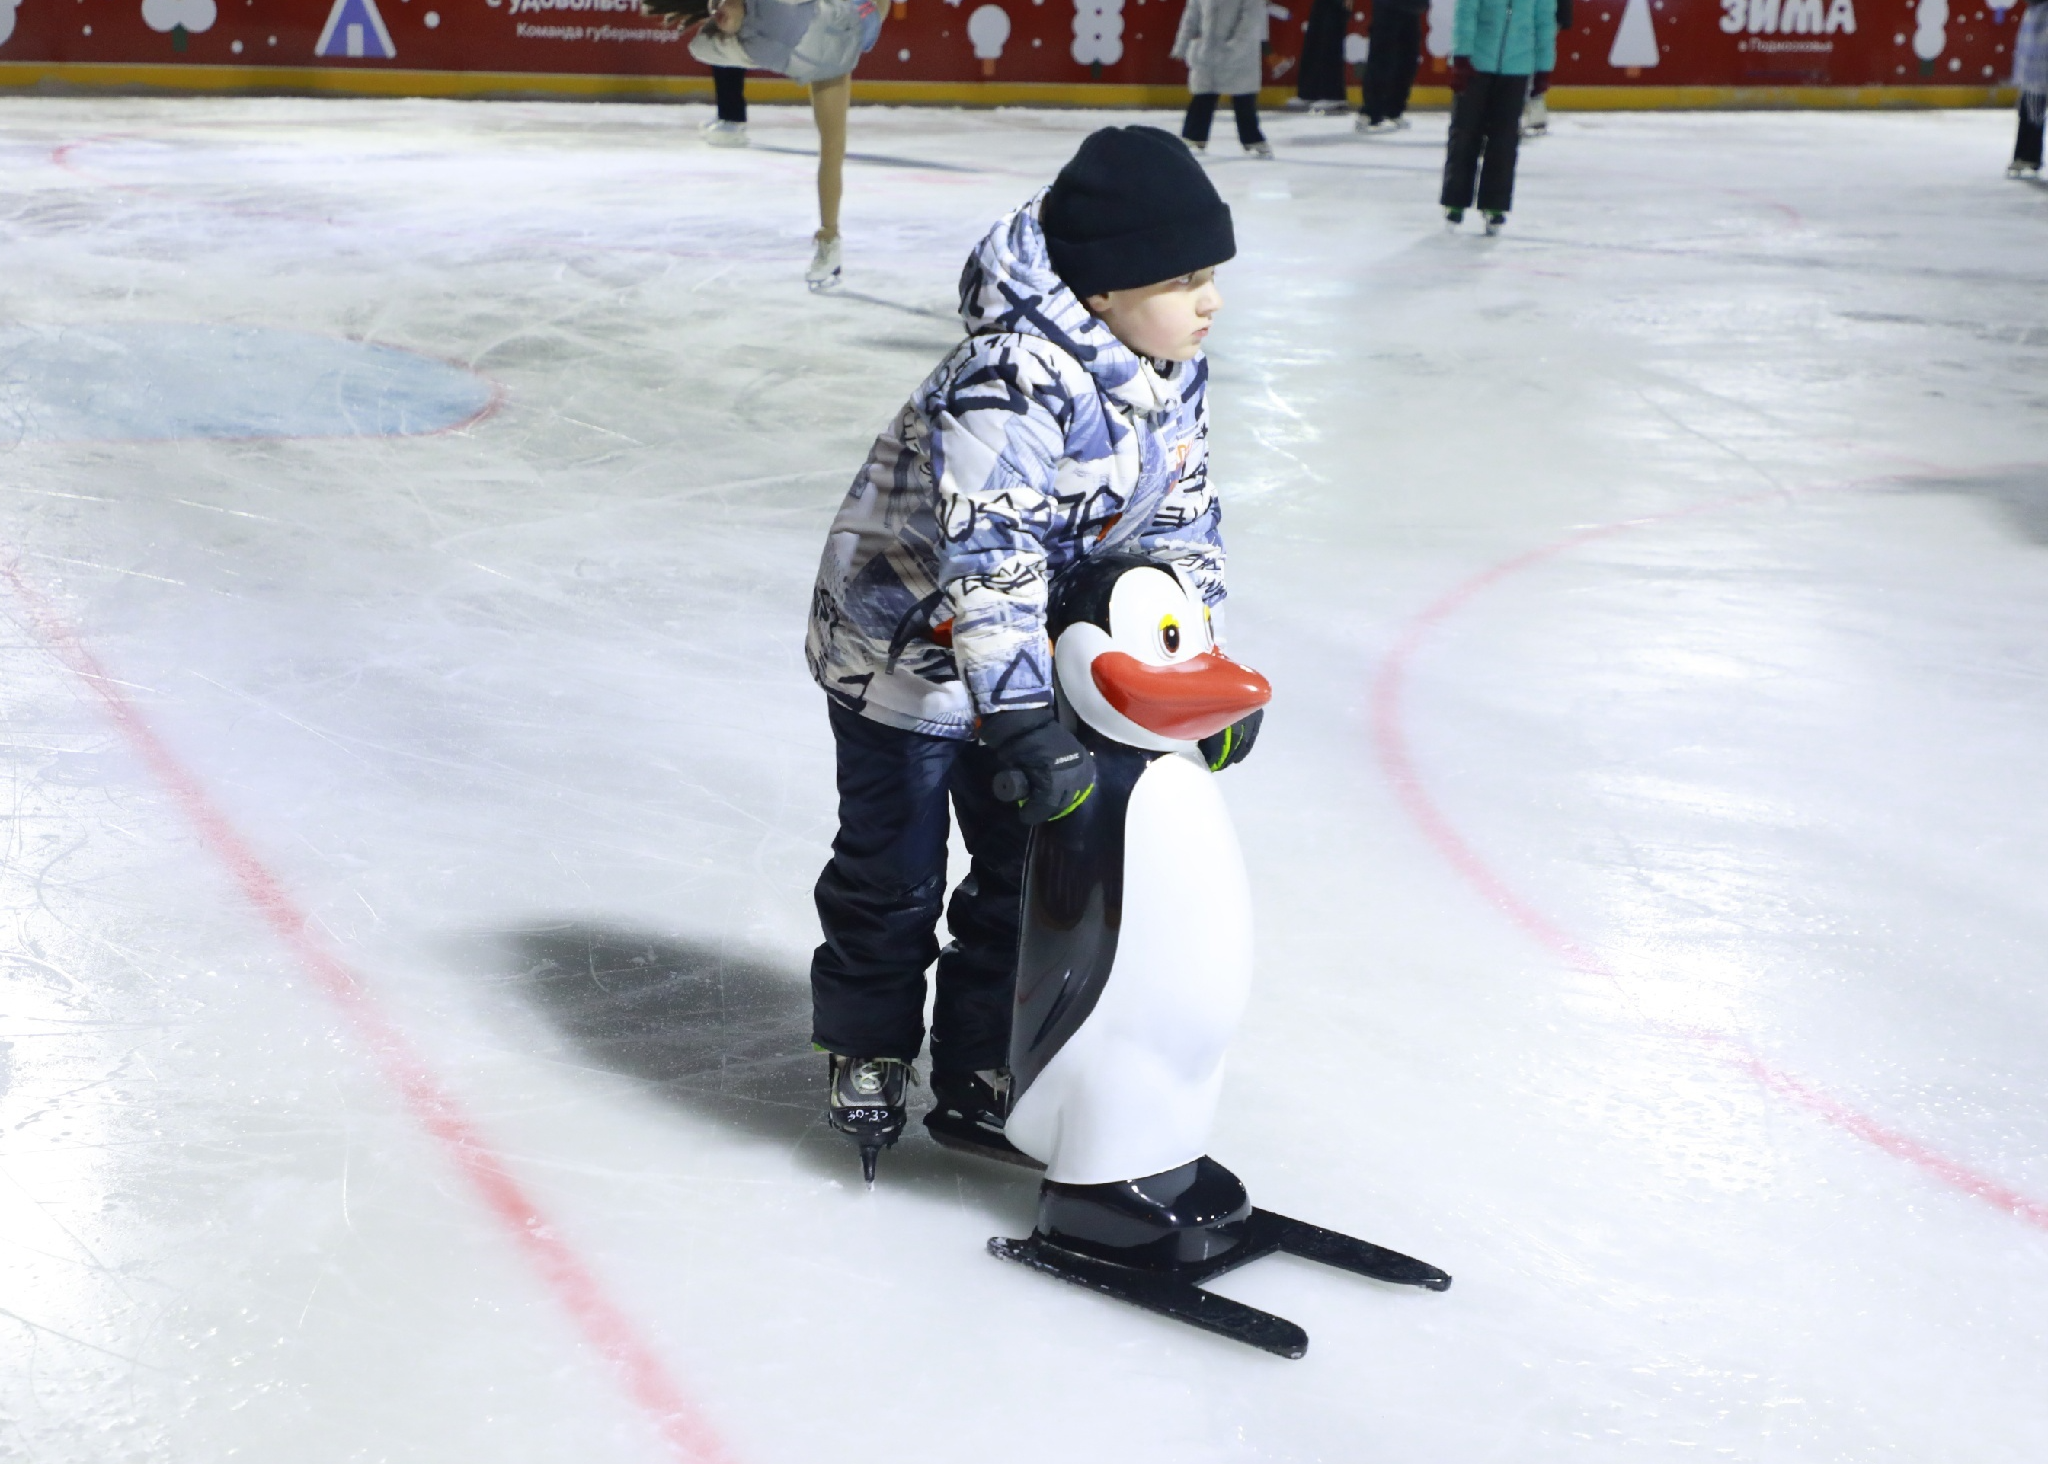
1133	1092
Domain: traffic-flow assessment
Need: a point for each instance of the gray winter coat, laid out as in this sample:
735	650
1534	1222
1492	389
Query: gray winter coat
1222	41
1040	439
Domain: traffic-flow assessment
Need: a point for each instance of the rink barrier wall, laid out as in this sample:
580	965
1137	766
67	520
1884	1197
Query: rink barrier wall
64	78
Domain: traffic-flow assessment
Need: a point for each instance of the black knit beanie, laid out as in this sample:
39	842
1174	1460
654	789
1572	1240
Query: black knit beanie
1133	208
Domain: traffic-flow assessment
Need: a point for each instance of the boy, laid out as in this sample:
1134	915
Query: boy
1071	421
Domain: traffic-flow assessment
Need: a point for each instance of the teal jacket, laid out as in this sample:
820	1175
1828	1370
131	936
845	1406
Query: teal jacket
1511	37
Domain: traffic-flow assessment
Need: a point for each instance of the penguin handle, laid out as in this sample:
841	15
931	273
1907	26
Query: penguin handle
1011	786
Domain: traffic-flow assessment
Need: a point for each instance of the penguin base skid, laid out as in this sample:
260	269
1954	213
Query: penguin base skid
1177	1292
964	1137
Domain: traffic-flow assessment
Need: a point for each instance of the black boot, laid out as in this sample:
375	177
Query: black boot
866	1103
1187	1215
968	1110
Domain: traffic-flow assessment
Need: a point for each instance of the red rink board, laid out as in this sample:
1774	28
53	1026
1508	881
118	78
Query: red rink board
959	48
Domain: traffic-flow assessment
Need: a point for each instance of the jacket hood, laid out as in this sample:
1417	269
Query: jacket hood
1009	285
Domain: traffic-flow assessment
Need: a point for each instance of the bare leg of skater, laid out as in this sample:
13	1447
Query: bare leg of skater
829	101
828	107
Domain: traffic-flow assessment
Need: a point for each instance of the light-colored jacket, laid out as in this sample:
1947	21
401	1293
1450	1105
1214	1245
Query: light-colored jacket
1040	439
1510	37
804	40
1221	41
2030	58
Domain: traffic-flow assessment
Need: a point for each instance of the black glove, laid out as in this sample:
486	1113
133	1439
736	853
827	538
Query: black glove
1233	744
1046	772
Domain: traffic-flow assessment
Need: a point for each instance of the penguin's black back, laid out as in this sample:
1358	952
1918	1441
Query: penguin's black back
1073	909
1080	595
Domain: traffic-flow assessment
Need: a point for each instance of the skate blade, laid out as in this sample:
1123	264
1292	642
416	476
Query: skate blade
1168	1295
968	1140
824	286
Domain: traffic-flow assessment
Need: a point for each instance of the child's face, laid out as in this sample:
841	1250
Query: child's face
727	15
1167	321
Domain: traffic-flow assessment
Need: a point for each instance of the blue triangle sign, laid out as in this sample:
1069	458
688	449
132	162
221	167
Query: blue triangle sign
355	31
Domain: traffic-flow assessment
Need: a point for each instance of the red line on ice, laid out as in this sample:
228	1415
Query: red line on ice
1398	764
603	1325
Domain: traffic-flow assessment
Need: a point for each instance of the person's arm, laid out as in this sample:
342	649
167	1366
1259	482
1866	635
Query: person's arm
1190	30
1546	41
714	48
1465	28
997	438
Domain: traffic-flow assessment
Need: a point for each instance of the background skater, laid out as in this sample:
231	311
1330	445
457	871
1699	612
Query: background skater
2030	75
729	89
1393	51
813	41
1072	421
1497	46
1223	43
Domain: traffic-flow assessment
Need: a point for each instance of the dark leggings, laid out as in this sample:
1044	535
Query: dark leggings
1486	120
1322	52
730	85
880	897
2027	147
1202	110
1391	57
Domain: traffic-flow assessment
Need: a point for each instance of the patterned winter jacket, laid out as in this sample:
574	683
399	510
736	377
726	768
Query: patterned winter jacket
1040	439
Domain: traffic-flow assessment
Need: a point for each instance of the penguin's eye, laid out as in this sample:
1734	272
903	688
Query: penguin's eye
1169	635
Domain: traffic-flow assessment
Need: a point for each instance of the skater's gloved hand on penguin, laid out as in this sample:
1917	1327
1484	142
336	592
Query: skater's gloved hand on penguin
1461	72
1540	84
1231	746
1046	772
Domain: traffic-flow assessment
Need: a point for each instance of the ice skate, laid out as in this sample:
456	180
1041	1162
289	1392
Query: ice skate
967	1114
1366	127
866	1103
824	271
1496	220
1399	124
1197	147
1331	108
1536	118
2018	169
720	133
1453	217
1259	150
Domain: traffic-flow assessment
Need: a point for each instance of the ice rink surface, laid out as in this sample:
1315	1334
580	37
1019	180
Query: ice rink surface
414	792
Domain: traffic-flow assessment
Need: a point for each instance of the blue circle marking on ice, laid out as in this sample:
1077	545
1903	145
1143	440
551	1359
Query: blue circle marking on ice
163	381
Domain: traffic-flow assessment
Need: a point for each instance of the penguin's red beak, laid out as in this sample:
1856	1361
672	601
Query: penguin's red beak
1186	700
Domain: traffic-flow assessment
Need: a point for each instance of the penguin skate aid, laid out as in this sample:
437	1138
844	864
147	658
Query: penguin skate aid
1125	1006
1071	422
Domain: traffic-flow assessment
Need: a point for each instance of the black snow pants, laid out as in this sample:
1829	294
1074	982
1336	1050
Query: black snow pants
729	84
2026	148
1202	110
1486	120
879	899
1322	52
1393	51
